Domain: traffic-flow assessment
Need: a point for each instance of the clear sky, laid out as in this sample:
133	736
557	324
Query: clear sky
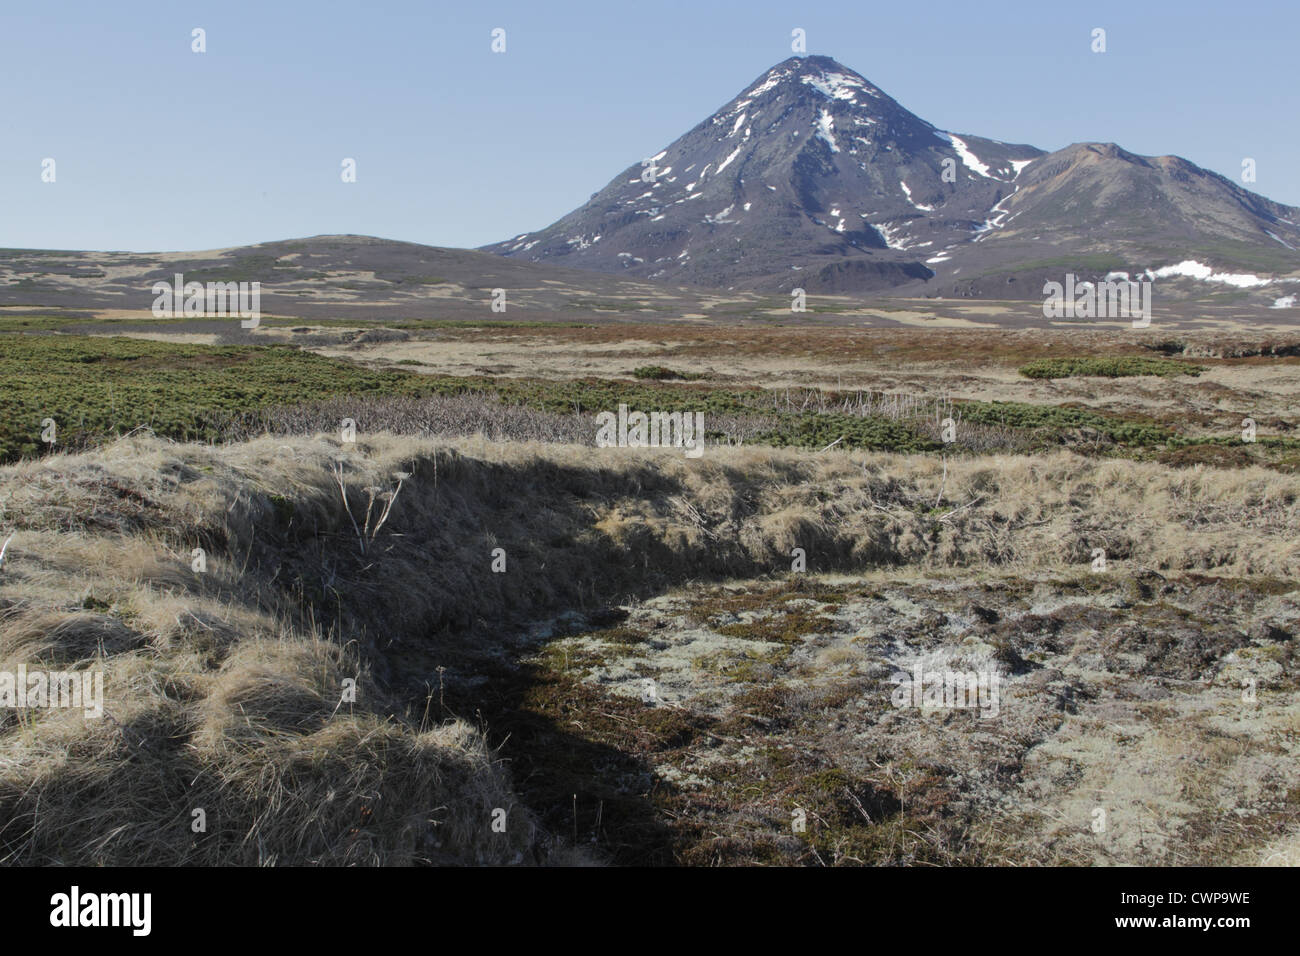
160	148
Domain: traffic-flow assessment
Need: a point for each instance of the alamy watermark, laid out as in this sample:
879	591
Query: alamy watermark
76	909
655	430
947	690
53	689
213	300
1114	297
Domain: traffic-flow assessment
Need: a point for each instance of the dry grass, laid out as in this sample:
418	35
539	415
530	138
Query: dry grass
1254	373
224	689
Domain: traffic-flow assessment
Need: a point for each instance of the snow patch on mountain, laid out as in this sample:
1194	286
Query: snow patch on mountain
908	193
890	234
838	86
727	162
997	218
1191	269
826	130
968	159
774	77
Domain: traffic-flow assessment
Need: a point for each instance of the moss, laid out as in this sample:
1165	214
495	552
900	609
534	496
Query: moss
711	604
747	666
628	636
789	626
571	660
847	820
766	708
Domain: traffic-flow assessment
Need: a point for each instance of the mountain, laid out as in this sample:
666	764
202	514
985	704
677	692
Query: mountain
1093	207
814	177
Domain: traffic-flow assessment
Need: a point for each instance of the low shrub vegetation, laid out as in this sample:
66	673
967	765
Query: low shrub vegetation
660	373
96	388
1117	366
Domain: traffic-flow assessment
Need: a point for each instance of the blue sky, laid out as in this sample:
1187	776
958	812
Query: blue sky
158	148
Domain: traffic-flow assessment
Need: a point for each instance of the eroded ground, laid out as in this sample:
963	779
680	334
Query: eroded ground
1140	719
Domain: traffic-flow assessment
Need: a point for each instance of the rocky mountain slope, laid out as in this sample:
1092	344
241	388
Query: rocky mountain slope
813	177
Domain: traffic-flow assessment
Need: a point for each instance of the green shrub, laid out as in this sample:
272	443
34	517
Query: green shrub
1127	431
1121	366
660	373
819	430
